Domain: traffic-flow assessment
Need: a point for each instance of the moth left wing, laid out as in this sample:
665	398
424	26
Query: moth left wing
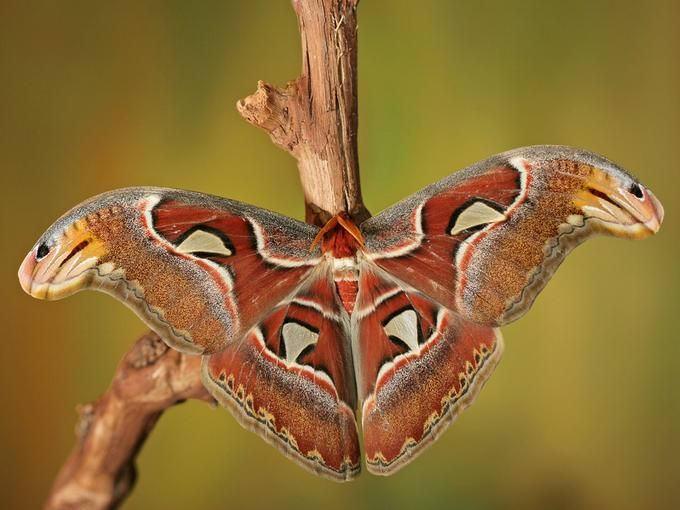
291	379
485	241
211	275
199	270
419	365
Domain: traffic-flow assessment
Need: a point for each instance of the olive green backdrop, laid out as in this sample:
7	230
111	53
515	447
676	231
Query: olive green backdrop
583	411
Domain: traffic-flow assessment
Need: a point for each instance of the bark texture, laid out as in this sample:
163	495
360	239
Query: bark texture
100	471
314	118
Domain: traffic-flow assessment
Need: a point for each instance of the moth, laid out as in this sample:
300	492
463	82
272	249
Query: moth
301	327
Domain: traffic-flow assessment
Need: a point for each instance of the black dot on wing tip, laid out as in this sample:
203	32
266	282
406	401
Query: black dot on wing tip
635	190
42	251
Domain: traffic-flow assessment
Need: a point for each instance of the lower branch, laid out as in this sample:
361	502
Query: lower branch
100	470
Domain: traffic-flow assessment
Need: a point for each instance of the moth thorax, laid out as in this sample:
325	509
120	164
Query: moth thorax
340	236
340	243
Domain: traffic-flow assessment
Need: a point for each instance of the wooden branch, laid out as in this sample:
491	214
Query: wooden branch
315	119
100	470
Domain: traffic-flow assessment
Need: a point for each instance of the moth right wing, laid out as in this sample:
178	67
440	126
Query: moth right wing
485	241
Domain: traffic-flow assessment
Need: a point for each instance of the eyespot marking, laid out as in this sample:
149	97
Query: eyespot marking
202	242
42	251
297	339
475	214
403	327
635	190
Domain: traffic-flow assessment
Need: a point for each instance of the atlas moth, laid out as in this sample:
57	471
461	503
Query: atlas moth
301	327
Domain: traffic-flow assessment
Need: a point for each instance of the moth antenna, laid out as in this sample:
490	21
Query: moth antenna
330	225
351	227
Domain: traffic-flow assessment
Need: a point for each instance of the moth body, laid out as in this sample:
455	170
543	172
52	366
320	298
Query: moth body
341	243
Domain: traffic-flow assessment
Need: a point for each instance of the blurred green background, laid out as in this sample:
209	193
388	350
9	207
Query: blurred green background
583	412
